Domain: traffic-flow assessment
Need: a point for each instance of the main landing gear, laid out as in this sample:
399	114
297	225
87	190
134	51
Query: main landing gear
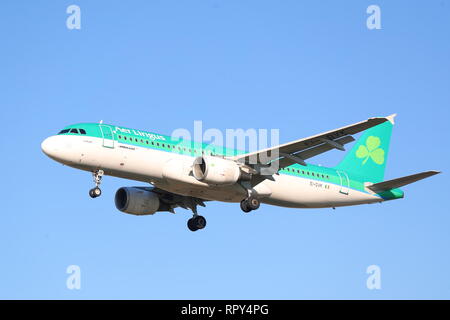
97	176
249	204
196	223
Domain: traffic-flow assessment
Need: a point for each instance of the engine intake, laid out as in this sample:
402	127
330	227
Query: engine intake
216	171
136	201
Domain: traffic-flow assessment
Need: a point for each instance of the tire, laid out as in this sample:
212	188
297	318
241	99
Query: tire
200	222
245	207
253	203
97	192
91	193
191	225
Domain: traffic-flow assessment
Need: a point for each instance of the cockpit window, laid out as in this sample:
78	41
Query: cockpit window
73	130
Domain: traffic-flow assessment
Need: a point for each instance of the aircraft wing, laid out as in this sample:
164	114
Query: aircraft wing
299	150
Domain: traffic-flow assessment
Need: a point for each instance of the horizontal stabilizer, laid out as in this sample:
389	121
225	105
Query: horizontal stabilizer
400	182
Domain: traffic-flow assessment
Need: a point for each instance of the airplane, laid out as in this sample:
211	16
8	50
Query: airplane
186	174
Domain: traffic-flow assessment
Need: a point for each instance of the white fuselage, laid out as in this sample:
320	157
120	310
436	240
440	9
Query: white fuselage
172	172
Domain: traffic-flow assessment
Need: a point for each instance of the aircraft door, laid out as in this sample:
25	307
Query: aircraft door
345	182
108	136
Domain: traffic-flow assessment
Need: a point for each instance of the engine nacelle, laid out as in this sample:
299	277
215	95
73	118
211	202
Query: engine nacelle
216	171
136	201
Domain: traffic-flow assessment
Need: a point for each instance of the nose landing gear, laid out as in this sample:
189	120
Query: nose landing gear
97	176
95	192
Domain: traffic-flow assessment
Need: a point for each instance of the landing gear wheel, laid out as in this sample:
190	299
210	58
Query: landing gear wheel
245	207
95	192
200	222
191	225
196	223
250	204
253	203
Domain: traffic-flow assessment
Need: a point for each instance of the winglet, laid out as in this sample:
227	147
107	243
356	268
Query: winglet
391	118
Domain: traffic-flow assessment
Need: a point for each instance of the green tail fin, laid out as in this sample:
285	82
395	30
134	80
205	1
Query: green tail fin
367	158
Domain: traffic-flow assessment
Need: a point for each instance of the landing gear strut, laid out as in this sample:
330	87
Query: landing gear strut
97	176
250	204
196	223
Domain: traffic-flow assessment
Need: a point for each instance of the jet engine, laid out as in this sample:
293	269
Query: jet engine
136	201
216	171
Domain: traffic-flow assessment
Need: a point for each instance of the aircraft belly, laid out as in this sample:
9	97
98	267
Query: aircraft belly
232	193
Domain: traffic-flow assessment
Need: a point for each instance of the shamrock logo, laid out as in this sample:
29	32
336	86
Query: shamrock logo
371	150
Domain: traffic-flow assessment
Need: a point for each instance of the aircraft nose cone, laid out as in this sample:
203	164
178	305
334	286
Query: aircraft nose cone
48	146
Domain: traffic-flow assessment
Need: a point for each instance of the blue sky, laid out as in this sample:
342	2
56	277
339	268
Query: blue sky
300	66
